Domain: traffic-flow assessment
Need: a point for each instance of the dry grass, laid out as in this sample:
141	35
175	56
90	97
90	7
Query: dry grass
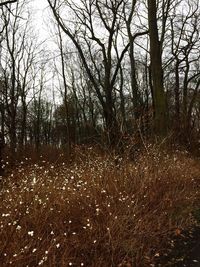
94	213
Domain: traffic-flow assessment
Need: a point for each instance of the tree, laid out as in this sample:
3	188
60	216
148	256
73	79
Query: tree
160	107
185	52
132	36
18	57
2	106
102	67
65	93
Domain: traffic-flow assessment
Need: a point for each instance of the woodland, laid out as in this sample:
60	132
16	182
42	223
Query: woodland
99	133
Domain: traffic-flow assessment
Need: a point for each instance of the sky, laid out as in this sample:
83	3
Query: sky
40	17
40	21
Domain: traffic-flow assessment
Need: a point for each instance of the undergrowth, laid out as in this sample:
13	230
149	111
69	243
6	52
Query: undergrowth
96	211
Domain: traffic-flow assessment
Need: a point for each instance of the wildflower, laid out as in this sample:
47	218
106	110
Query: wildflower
30	233
18	227
97	211
40	262
5	215
34	181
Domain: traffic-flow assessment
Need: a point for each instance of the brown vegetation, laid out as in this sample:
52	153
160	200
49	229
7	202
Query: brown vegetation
97	211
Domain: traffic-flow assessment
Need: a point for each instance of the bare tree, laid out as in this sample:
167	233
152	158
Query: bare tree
128	16
19	51
160	108
101	67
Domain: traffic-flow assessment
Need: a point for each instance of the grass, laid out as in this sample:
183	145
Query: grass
96	213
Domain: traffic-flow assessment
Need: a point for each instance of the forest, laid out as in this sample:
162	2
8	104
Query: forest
99	133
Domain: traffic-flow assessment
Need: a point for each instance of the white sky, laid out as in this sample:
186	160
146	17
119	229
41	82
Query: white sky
40	17
41	21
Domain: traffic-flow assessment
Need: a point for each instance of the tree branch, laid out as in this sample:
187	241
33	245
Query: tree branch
8	2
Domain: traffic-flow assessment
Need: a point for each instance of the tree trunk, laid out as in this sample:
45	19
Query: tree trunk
23	127
112	127
160	120
177	93
1	153
134	84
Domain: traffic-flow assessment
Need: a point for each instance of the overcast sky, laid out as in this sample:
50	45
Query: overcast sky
40	19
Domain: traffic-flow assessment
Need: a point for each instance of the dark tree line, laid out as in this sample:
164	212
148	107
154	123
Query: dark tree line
120	68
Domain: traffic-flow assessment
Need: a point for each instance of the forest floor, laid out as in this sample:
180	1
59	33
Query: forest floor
101	210
185	251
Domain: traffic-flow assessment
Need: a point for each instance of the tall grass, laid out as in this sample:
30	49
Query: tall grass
96	212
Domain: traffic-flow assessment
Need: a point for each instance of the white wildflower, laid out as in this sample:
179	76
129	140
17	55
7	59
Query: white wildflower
18	227
31	233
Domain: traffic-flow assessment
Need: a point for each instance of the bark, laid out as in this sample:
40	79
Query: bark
160	120
65	92
1	153
177	93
